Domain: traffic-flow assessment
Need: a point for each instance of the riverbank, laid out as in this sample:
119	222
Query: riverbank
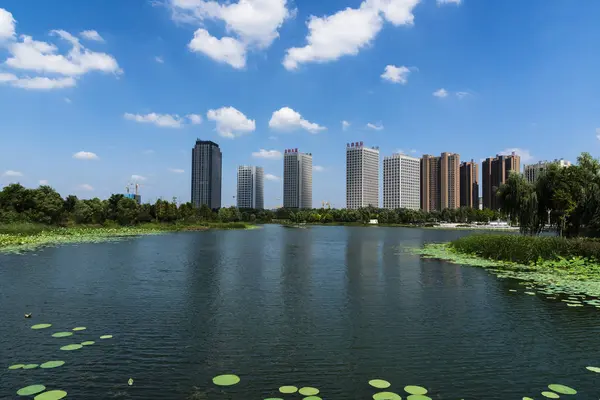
557	265
442	226
24	237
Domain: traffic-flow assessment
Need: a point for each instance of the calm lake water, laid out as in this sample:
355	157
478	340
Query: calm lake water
330	307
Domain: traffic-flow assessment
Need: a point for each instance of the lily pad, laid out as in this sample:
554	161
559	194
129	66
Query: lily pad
226	380
88	343
527	398
550	395
79	328
379	383
19	366
70	347
312	398
593	369
106	337
288	389
308	391
41	326
418	397
62	334
274	398
52	364
415	389
530	293
30	366
29	390
562	389
51	395
386	396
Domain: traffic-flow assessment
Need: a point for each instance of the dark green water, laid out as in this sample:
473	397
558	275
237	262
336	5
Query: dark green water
330	307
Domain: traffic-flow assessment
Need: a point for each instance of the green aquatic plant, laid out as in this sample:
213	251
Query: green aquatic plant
79	328
593	369
19	366
62	334
308	391
88	343
51	395
106	337
379	383
41	326
130	382
30	390
562	389
550	395
226	380
71	347
52	364
312	398
415	389
386	396
30	366
418	397
288	389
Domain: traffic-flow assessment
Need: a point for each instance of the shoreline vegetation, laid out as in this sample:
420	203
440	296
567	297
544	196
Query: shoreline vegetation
565	265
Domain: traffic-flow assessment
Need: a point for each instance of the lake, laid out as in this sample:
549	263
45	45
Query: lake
329	307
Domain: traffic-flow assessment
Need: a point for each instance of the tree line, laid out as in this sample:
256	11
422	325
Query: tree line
566	199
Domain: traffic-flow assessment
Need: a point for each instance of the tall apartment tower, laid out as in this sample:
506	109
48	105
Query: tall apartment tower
206	174
533	171
469	184
494	173
297	179
440	181
250	187
362	176
401	182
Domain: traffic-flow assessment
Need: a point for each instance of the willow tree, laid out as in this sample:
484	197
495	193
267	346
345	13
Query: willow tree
519	202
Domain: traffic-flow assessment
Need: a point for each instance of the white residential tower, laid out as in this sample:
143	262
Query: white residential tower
401	182
297	179
362	176
250	187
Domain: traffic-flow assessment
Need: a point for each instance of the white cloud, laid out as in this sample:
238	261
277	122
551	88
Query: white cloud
269	154
85	155
375	127
330	37
7	24
68	100
251	24
161	120
138	178
523	153
159	60
271	177
598	133
91	35
231	122
86	187
12	173
345	125
176	170
462	95
195	119
37	83
396	74
442	2
318	168
43	182
287	119
441	93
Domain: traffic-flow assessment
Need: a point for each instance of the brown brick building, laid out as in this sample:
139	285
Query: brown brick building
440	182
469	184
494	173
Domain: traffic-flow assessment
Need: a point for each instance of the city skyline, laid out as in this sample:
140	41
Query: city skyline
122	105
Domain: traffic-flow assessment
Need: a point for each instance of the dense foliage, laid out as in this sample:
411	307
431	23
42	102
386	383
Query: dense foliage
527	249
565	199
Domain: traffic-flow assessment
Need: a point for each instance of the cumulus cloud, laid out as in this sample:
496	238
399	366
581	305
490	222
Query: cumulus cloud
345	125
443	2
441	93
164	120
231	122
85	155
268	154
7	24
91	35
329	38
286	119
195	119
523	153
36	83
176	170
12	173
318	168
375	127
251	24
271	177
87	187
396	74
43	182
138	178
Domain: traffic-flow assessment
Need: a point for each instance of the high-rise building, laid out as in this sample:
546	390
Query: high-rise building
494	173
206	174
297	179
469	184
362	176
533	171
440	181
250	187
401	182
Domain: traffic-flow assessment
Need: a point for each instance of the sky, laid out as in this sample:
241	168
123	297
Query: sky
95	95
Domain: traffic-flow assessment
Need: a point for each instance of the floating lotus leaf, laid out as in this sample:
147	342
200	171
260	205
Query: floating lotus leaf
80	328
51	395
71	347
418	397
386	396
88	343
226	380
288	389
550	395
62	334
106	337
308	391
512	290
593	369
29	390
19	366
274	398
30	366
415	389
379	383
562	389
52	364
312	398
527	398
41	326
530	293
130	382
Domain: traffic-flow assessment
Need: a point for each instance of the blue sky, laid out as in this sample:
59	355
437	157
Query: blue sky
95	94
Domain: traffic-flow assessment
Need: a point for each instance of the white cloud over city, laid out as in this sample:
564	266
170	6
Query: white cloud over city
286	119
230	122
